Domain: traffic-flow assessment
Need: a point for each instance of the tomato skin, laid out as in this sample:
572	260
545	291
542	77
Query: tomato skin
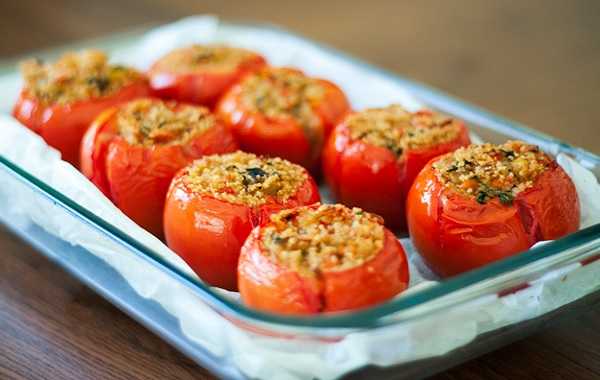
264	285
136	178
554	204
370	177
204	88
207	233
94	148
334	108
455	234
283	137
63	126
269	286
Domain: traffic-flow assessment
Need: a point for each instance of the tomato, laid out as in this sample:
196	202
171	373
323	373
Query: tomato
373	177
268	285
202	81
62	125
136	177
208	232
455	234
284	120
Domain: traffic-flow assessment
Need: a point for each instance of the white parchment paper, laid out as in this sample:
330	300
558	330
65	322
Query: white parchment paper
255	354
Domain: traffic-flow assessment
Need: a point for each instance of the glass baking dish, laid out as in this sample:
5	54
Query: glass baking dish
403	338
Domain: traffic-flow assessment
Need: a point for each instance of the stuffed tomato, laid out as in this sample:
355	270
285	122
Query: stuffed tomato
373	156
321	258
485	202
60	100
132	152
281	112
201	73
213	204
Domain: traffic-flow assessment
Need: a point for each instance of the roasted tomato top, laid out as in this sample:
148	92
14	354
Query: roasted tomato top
321	258
133	151
60	100
213	205
373	156
281	112
201	73
486	202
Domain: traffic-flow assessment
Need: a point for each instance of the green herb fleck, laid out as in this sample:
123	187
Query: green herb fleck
255	173
481	197
506	198
508	153
279	240
101	83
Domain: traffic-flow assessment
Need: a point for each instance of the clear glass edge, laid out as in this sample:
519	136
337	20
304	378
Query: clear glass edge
371	317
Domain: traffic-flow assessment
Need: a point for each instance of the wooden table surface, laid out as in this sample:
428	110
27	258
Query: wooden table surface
536	62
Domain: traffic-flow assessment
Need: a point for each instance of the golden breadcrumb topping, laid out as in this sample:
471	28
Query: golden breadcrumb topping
155	122
398	130
284	93
75	76
244	178
201	58
488	171
326	238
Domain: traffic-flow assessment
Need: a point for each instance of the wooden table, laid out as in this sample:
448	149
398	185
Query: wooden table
532	61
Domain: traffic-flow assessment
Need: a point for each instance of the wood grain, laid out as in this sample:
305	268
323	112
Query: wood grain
53	327
535	61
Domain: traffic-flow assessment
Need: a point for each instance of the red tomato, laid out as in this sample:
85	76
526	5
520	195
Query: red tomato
62	125
454	233
208	232
300	124
136	177
373	177
180	75
270	286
